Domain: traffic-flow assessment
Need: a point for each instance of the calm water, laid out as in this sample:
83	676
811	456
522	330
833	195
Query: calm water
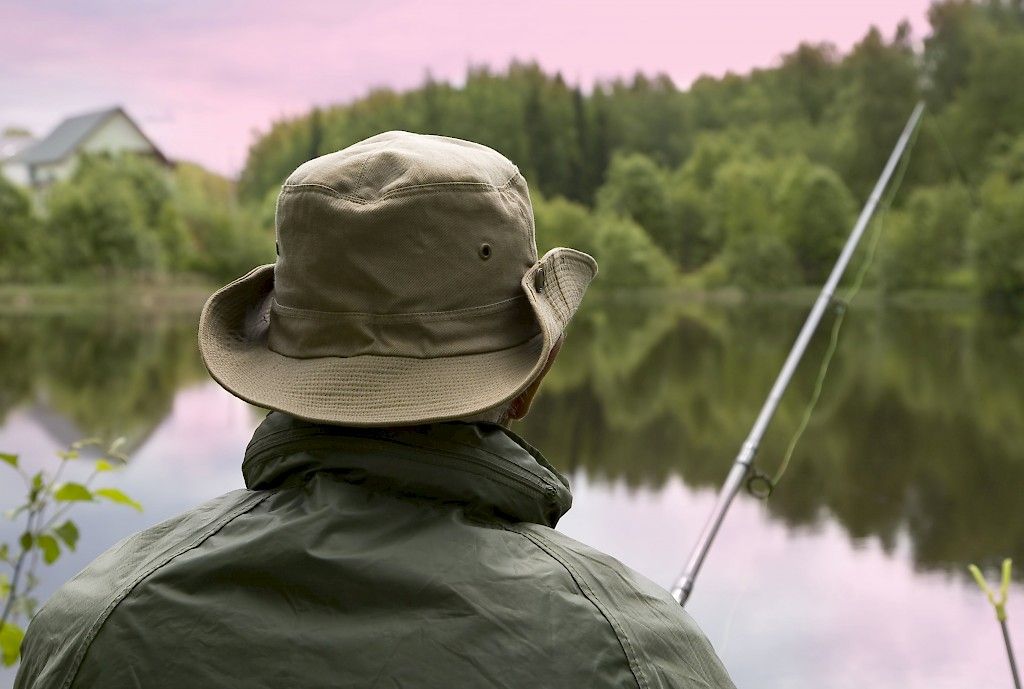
852	575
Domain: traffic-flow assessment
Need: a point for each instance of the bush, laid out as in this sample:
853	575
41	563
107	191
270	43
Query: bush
814	213
127	215
924	244
742	199
635	187
20	234
997	241
226	240
670	207
698	239
760	260
627	256
101	221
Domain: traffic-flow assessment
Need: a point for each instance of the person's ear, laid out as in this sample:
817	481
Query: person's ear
520	406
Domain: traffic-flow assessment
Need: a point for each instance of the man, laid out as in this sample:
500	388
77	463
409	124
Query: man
392	533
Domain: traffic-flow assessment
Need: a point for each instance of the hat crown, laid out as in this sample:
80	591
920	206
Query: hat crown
403	244
396	162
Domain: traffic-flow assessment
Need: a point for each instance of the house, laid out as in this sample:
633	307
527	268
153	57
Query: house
54	157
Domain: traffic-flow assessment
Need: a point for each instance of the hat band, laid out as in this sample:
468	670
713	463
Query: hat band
304	333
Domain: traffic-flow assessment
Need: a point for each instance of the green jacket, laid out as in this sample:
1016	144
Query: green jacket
403	557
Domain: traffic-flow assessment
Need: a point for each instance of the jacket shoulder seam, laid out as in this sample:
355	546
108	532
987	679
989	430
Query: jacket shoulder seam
247	503
632	658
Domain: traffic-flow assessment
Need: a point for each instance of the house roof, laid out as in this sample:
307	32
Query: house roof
69	135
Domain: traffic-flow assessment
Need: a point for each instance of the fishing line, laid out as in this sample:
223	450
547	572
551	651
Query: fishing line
761	485
744	462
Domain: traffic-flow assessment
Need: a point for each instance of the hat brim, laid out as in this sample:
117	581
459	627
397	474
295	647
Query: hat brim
377	390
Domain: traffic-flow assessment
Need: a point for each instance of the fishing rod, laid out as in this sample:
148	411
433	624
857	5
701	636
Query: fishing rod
745	459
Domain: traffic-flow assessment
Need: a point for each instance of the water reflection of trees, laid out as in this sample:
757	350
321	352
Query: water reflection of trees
101	374
920	429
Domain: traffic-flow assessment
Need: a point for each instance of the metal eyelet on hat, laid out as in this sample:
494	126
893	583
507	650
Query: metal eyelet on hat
539	279
485	251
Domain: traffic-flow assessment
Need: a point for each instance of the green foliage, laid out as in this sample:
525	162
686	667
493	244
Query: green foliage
710	153
881	90
68	533
225	239
742	198
947	50
1010	163
636	188
116	496
986	113
759	260
926	242
814	214
128	216
72	492
808	76
10	643
627	256
668	205
101	221
698	241
525	122
20	230
46	503
997	241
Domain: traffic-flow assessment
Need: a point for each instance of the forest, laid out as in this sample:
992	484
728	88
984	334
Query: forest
744	180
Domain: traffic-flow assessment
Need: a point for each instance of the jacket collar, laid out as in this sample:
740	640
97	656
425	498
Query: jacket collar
482	465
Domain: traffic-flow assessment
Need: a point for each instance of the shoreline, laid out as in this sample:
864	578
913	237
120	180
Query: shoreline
189	297
102	296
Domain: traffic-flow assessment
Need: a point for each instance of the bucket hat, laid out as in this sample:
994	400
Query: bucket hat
407	289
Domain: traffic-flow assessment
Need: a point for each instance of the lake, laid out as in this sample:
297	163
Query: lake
853	574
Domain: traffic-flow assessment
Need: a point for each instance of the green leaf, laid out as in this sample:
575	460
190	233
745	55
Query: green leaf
10	459
38	481
5	552
104	465
68	533
68	454
5	586
10	643
114	495
51	549
26	541
71	492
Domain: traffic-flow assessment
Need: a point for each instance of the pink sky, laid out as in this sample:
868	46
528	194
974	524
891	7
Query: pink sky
201	77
